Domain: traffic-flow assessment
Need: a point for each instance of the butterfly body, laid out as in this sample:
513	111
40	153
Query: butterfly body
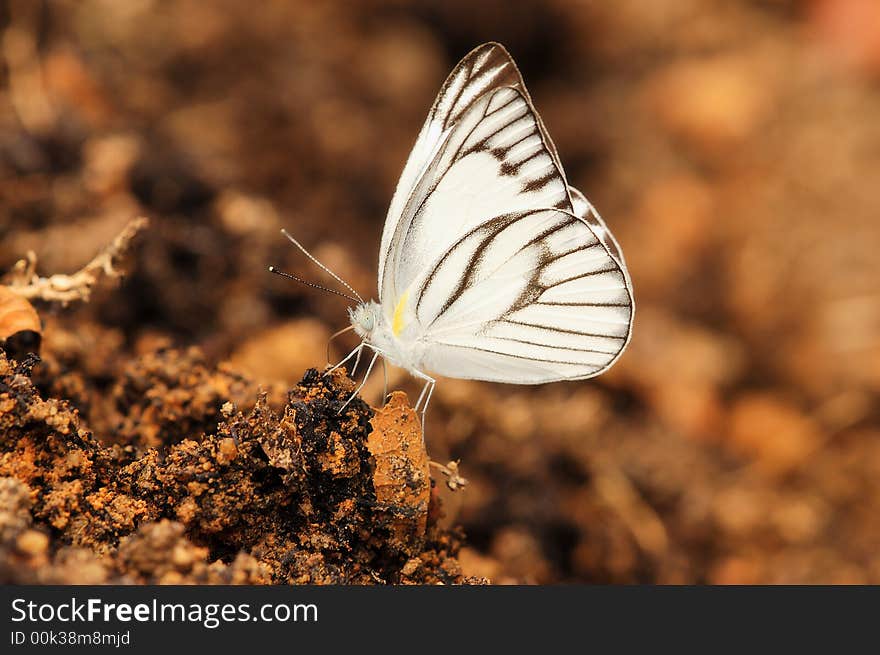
396	341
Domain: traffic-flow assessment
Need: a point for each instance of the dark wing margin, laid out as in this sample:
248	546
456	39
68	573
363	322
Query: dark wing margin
486	67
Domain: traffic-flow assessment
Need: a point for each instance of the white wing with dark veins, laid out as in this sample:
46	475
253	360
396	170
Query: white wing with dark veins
483	150
489	259
525	298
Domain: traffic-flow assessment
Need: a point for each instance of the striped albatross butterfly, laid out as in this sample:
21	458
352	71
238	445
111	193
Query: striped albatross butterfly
491	266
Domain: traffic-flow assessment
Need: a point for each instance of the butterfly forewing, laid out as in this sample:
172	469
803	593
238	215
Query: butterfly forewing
492	162
482	151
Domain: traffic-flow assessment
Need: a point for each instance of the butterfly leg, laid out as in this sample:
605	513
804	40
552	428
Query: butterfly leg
385	385
356	351
421	396
425	396
357	361
427	400
361	385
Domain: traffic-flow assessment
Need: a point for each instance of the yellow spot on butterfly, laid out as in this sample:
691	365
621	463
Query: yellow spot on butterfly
397	320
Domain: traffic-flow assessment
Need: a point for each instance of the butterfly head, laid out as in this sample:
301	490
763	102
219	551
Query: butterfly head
365	319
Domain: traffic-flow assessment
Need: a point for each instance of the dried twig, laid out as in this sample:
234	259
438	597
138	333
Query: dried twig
24	281
454	479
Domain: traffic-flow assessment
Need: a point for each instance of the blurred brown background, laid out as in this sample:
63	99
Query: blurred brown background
733	147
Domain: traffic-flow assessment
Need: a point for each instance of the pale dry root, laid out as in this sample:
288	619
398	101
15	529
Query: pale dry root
24	281
454	479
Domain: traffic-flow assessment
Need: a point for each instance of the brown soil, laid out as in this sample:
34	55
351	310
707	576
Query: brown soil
296	496
172	429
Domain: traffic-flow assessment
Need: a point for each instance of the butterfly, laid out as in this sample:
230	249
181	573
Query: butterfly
492	267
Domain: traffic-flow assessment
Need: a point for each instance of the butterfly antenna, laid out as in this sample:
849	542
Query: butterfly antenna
327	270
290	276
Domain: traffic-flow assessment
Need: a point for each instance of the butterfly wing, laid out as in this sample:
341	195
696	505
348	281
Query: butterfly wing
583	209
489	258
483	150
526	298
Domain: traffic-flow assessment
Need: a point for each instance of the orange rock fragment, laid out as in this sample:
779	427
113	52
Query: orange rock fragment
401	479
16	314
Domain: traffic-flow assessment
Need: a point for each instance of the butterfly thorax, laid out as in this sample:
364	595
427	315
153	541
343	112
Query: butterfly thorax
401	347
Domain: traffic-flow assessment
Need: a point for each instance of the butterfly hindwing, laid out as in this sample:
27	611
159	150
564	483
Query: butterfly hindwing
583	209
540	299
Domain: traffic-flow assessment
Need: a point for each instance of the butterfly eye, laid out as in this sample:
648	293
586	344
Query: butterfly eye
367	321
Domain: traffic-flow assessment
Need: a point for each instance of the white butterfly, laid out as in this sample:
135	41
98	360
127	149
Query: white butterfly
491	266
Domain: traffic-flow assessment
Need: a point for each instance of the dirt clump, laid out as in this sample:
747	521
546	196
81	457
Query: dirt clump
300	495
